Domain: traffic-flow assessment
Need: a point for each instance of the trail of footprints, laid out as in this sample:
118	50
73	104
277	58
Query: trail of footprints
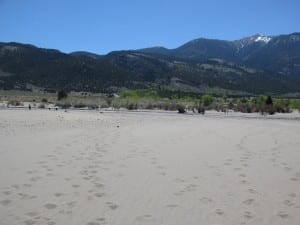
89	176
245	159
48	169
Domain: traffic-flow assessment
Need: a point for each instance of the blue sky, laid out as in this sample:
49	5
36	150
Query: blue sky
102	26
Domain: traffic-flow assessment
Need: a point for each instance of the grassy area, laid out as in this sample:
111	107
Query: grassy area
154	98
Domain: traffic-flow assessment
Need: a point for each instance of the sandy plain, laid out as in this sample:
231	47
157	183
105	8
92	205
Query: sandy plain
91	168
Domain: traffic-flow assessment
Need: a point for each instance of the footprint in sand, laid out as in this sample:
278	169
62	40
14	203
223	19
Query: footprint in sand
26	196
218	174
50	206
66	212
93	223
248	215
16	186
286	168
71	204
31	171
283	215
191	187
112	205
51	223
162	173
288	202
206	200
248	201
219	212
252	191
35	179
98	185
99	195
32	214
179	180
5	202
58	194
30	222
244	182
6	192
178	193
293	195
101	219
145	219
172	206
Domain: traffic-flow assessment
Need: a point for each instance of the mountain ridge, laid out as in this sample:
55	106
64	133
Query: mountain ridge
256	64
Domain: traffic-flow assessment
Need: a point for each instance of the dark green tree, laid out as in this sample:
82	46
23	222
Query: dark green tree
207	100
269	100
61	95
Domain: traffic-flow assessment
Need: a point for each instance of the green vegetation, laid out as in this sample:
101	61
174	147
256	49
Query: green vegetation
269	101
172	100
61	95
207	100
159	98
150	94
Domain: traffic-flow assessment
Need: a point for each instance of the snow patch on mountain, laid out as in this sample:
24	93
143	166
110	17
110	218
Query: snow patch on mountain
265	39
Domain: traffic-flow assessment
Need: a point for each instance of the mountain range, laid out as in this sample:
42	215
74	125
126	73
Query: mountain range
257	65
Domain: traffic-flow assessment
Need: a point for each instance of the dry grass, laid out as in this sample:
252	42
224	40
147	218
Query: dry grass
91	101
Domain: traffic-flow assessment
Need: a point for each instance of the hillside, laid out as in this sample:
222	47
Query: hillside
23	65
278	54
257	64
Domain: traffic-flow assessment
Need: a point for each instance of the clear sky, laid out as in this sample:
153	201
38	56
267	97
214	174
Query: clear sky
102	26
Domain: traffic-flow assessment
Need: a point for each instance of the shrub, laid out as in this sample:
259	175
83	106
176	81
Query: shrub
270	110
41	106
269	100
93	106
79	105
207	100
169	106
230	105
260	100
149	106
44	100
201	110
282	109
65	105
131	106
108	101
61	95
14	103
180	109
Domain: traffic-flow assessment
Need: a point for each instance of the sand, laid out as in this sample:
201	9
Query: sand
91	168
